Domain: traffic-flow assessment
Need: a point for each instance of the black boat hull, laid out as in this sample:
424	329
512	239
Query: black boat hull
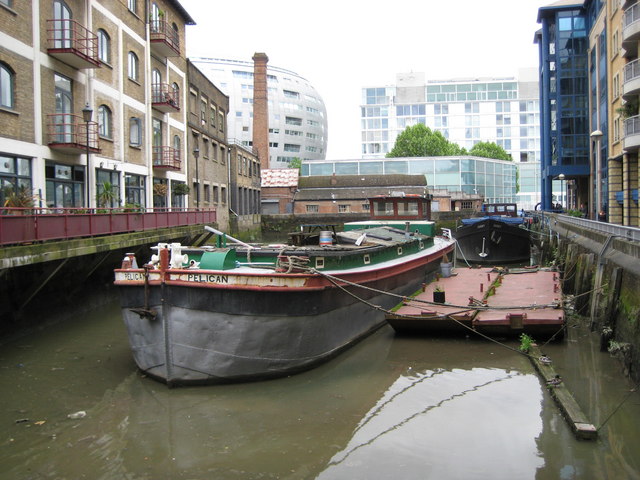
205	334
492	242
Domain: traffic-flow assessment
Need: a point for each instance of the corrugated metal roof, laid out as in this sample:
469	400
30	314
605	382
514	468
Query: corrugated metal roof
279	177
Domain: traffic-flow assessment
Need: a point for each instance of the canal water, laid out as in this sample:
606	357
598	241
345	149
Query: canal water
391	407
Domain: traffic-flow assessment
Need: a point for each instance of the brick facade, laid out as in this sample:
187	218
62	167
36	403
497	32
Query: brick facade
260	109
209	181
45	136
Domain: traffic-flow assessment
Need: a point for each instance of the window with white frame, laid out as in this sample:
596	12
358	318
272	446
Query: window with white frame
132	66
104	46
7	85
135	132
105	122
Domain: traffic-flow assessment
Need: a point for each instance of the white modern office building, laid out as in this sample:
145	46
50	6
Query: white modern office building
466	111
297	115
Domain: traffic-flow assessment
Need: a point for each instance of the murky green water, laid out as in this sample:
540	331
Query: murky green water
390	407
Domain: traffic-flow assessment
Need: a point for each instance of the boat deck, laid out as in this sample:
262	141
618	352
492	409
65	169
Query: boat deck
487	300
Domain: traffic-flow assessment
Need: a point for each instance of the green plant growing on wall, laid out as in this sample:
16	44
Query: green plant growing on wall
526	342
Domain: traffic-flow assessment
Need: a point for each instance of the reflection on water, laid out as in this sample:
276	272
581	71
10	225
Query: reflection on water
420	418
389	407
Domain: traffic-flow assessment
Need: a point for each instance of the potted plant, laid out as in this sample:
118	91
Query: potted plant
107	194
22	197
438	294
133	208
181	189
160	189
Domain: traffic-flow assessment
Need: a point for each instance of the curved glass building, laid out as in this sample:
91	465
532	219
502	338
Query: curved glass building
297	115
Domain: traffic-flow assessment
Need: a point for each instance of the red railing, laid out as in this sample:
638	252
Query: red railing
166	157
70	37
163	94
24	225
163	33
70	131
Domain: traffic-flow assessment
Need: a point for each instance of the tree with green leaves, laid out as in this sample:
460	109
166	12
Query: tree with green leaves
420	141
490	150
296	162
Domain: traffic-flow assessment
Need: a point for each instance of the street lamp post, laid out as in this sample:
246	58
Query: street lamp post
596	135
87	113
196	154
563	202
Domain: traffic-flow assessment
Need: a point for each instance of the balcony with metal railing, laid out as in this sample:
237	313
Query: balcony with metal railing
27	225
165	40
164	98
166	158
631	139
69	133
73	44
631	30
631	85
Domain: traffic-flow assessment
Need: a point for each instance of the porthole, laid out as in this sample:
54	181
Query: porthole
367	259
399	250
319	262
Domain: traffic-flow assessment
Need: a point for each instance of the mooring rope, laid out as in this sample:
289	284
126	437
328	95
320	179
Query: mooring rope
624	399
335	280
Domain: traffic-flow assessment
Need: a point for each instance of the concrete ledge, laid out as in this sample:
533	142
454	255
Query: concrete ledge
572	412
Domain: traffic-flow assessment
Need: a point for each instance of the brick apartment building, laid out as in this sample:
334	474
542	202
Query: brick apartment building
124	64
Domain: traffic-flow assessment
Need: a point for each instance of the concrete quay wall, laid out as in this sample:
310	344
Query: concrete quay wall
602	270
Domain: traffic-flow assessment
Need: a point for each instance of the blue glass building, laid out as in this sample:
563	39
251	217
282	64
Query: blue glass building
574	105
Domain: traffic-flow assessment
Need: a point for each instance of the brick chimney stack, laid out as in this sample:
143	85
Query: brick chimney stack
260	109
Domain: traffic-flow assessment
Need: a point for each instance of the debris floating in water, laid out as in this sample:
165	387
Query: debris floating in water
77	415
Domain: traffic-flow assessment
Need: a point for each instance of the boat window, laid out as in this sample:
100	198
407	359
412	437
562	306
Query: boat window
409	207
367	259
320	262
399	250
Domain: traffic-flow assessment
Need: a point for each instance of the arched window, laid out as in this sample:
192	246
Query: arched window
176	93
133	66
105	122
156	86
62	31
104	46
176	143
7	84
154	18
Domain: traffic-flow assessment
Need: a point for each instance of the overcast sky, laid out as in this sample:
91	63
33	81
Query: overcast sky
341	46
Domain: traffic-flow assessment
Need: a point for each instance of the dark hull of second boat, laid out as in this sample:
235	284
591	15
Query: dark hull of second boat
492	242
